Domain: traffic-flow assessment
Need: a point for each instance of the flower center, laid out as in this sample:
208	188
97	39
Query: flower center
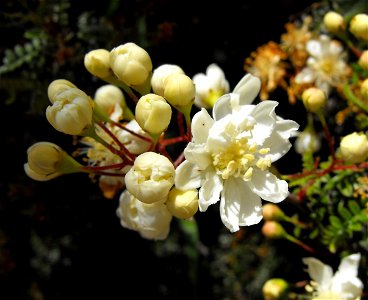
240	158
327	66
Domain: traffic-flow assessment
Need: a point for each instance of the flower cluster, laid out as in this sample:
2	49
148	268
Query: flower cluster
227	156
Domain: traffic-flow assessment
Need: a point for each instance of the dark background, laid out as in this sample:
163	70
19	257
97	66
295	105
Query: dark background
61	239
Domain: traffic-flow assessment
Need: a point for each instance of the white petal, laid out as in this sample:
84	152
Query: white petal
268	186
222	107
210	190
347	287
307	75
265	116
349	265
197	154
239	206
201	124
187	176
319	272
248	88
314	48
278	142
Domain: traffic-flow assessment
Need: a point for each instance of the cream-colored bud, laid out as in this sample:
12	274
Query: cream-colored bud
152	221
133	143
179	90
354	147
359	26
273	230
47	161
57	86
107	96
159	77
334	22
363	60
97	62
314	99
364	89
151	177
275	289
153	113
182	204
307	141
131	64
71	112
272	212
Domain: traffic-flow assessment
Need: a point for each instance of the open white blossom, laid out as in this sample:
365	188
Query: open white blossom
326	65
344	284
230	154
152	221
210	86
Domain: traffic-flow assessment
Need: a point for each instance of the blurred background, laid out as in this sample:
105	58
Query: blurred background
62	239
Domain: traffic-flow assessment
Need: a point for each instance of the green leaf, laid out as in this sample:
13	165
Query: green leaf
344	212
354	207
335	222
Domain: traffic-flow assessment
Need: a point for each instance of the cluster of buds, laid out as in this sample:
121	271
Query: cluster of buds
126	148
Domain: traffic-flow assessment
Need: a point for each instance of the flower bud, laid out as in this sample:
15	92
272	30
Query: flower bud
57	86
152	221
307	141
334	22
71	113
151	177
272	212
133	143
179	90
354	147
359	26
273	230
97	62
182	204
363	60
364	89
153	113
131	64
159	77
107	96
314	99
47	161
275	289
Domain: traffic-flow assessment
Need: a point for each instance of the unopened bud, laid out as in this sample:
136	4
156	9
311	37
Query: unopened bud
272	212
182	204
159	77
363	60
179	90
107	96
354	147
97	62
359	26
275	289
334	22
153	113
131	64
314	99
47	161
273	230
307	141
151	177
57	86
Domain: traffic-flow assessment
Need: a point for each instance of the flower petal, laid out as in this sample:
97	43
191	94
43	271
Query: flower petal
248	89
239	206
222	107
187	176
210	190
201	124
268	186
319	272
197	154
278	142
265	116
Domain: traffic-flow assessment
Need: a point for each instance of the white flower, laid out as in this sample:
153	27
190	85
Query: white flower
210	86
152	221
326	65
344	284
230	154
